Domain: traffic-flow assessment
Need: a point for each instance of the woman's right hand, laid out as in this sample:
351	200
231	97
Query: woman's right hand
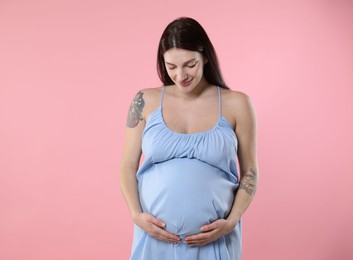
154	227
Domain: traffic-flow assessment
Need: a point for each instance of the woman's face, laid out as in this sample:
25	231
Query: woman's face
184	67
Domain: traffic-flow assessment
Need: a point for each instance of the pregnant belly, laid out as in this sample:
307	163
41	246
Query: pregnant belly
186	194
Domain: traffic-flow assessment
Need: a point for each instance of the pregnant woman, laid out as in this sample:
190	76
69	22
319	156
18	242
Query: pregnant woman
187	197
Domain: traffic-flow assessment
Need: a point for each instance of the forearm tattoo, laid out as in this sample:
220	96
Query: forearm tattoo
248	182
135	111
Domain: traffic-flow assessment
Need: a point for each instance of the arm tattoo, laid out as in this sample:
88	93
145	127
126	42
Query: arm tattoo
248	182
135	111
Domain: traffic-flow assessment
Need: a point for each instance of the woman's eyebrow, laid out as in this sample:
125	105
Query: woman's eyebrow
183	63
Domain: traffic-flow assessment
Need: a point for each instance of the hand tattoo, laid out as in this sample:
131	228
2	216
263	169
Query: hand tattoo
248	182
135	111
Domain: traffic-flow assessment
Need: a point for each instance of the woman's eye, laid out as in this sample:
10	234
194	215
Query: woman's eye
191	66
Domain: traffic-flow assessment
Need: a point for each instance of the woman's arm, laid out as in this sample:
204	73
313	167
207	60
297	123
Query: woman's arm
132	154
128	168
247	156
246	131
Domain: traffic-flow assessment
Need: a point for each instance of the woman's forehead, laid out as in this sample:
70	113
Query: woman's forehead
180	55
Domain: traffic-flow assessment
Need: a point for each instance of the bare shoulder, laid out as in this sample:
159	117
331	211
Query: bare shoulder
237	105
150	98
151	94
144	102
235	97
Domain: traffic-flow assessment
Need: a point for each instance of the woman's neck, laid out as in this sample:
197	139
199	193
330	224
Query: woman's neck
199	90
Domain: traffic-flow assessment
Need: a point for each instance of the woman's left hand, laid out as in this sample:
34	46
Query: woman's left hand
209	233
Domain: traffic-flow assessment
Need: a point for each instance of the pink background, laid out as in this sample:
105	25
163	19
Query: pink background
68	70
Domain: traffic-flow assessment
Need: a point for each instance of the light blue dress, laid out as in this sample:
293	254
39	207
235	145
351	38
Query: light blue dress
187	180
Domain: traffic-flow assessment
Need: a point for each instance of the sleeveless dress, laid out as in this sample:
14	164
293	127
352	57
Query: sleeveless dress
187	180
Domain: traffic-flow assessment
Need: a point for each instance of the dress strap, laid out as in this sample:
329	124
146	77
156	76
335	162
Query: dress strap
161	98
219	102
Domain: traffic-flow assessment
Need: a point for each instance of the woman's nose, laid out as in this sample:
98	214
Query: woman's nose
180	75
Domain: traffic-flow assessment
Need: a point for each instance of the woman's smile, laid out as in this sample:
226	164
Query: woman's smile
186	83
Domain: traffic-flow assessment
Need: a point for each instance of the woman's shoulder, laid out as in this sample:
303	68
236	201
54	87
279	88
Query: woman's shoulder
235	97
150	98
236	105
150	93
